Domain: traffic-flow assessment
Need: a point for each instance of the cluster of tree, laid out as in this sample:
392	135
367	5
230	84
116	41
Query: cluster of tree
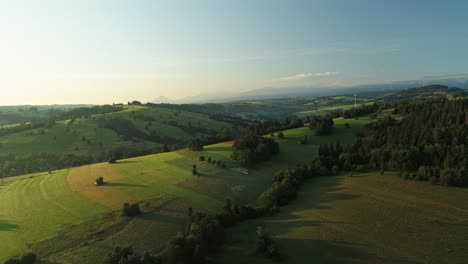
203	237
144	117
429	91
128	256
218	163
268	127
362	110
189	128
28	258
134	103
11	165
330	160
85	112
131	209
284	187
156	137
125	152
253	149
128	131
216	112
16	117
36	123
321	125
196	145
264	245
428	143
195	108
123	127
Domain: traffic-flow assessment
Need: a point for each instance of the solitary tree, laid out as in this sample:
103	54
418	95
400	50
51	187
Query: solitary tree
99	181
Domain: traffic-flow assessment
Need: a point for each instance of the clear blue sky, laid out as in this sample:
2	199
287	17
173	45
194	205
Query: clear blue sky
113	51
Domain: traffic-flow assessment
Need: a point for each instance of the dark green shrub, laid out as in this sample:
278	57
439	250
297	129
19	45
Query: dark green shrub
131	209
265	245
99	181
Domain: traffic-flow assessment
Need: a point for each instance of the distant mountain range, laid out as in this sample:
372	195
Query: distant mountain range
459	81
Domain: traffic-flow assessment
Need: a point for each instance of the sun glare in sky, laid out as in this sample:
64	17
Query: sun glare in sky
115	51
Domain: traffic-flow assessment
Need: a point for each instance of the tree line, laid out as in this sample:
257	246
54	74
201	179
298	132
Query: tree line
428	143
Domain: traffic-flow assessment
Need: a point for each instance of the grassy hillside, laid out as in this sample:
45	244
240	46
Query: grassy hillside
86	136
13	115
164	180
365	218
34	208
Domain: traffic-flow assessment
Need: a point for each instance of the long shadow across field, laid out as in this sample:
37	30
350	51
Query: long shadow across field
6	225
302	233
123	184
305	233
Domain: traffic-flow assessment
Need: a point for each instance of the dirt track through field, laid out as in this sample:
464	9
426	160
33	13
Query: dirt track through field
81	180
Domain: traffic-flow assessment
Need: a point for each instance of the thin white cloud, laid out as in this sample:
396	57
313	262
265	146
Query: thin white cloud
309	75
447	76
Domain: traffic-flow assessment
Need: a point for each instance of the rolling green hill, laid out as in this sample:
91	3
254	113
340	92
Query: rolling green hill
164	180
364	218
132	131
86	135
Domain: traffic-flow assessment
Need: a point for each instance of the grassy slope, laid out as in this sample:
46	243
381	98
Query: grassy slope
68	138
34	208
363	219
164	180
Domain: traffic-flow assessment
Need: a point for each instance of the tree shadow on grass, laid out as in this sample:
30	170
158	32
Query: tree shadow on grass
123	184
125	162
298	233
8	226
326	251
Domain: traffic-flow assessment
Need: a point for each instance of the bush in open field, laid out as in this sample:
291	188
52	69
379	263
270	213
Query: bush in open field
99	181
131	209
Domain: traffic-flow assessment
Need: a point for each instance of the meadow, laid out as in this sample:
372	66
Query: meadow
360	218
85	136
163	180
363	218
